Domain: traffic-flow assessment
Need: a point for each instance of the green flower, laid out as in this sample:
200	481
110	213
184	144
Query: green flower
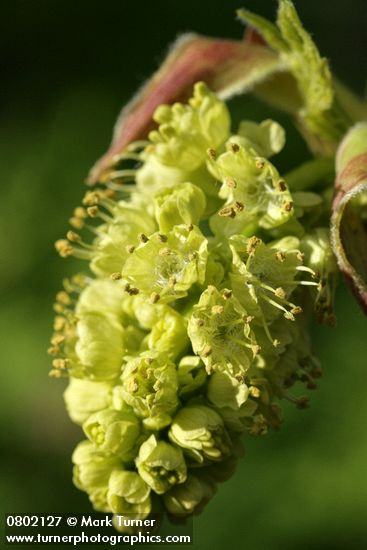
264	276
182	205
167	328
115	237
220	332
255	194
178	148
128	494
200	431
189	497
187	131
161	465
149	386
165	267
114	432
84	397
92	471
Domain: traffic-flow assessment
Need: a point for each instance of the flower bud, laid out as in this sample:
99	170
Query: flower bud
167	328
149	386
91	473
200	431
114	432
161	465
182	205
189	497
84	397
128	494
219	332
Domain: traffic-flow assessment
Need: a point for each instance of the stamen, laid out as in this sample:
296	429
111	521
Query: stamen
212	153
154	297
227	212
234	147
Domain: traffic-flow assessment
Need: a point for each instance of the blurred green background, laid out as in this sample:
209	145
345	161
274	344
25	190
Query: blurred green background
67	68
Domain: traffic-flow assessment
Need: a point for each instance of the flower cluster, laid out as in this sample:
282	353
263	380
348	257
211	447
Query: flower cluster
192	323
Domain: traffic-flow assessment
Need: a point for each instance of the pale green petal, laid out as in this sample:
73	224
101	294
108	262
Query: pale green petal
161	465
114	432
84	397
128	494
183	204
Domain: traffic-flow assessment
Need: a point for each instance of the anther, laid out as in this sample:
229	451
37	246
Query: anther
207	350
212	153
132	291
163	238
238	206
130	248
230	183
73	237
254	391
116	276
234	147
143	238
281	185
172	281
193	256
227	293
227	212
63	248
91	198
63	298
259	164
80	212
57	339
60	363
59	322
55	373
280	256
154	297
252	244
217	310
279	292
302	402
288	205
93	211
77	223
288	315
199	322
164	252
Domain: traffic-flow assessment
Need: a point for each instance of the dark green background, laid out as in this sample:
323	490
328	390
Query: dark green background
67	67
